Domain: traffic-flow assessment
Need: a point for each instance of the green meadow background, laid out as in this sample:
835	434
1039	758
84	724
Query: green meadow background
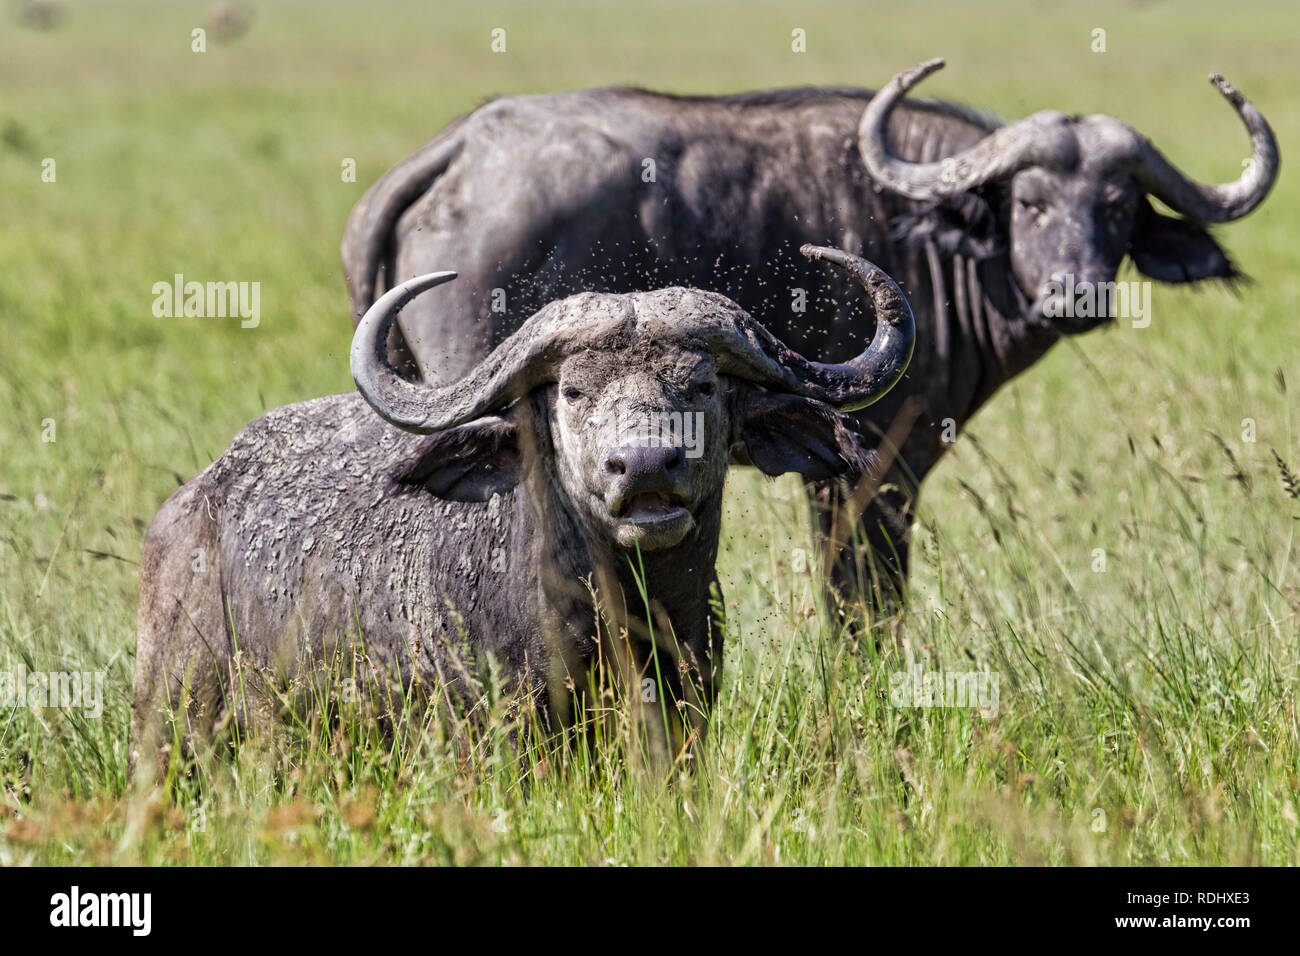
1110	535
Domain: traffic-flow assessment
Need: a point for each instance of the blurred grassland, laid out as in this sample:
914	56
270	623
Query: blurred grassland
1157	697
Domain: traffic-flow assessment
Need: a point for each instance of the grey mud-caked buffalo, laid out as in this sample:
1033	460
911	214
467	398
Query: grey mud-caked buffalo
992	230
439	531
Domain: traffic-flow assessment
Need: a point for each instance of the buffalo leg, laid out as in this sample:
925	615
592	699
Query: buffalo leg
865	559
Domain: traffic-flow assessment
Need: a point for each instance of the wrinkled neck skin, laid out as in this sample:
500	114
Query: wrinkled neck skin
980	300
970	311
573	558
977	334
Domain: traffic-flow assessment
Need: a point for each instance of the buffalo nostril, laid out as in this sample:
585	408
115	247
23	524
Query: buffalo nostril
644	464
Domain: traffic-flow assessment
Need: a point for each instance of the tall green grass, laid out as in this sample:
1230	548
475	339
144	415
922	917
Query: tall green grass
1105	537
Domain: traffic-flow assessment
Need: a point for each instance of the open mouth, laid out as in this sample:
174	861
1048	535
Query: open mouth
652	520
650	507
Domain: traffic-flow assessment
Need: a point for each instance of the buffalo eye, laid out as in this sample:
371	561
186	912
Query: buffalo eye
572	394
1116	212
704	389
1032	206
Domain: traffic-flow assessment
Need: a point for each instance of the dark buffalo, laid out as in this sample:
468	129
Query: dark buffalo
473	523
988	228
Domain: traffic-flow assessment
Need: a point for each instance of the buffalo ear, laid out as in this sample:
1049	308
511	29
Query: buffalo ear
1176	250
472	462
780	433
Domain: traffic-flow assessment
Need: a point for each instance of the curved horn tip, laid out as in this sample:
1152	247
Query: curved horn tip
383	389
879	281
829	254
1233	94
909	78
841	258
428	280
